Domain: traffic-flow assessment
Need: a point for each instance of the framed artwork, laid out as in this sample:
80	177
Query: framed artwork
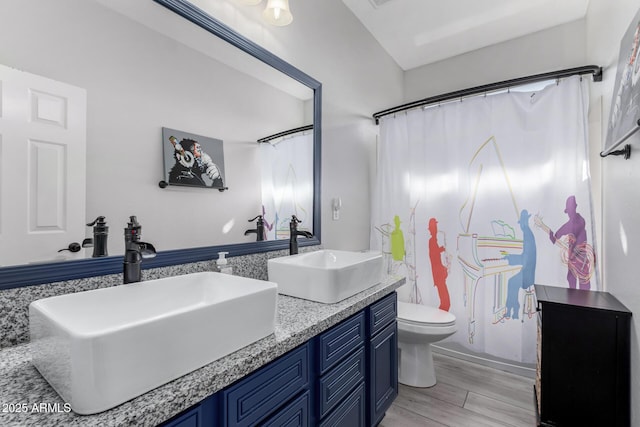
192	160
625	105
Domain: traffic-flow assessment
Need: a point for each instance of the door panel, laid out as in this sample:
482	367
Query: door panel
42	167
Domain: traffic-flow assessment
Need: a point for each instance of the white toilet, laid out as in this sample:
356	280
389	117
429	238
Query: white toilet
418	327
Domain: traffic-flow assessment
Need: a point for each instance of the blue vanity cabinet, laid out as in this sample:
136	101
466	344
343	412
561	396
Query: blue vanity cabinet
275	395
201	415
264	394
295	414
345	377
351	412
357	367
341	368
382	375
190	418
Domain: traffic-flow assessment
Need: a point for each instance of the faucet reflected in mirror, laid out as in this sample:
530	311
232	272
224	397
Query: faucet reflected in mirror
294	233
259	230
135	251
99	240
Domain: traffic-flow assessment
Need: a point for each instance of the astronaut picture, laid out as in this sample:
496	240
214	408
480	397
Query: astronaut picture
193	160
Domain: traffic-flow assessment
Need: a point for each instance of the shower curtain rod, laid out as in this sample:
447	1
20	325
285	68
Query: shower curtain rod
285	133
587	69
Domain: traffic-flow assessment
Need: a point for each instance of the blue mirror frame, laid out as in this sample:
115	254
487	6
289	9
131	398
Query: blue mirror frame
33	274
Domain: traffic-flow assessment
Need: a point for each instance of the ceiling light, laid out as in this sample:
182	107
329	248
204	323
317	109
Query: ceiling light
277	13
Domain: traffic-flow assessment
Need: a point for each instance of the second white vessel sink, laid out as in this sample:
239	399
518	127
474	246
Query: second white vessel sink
326	276
103	347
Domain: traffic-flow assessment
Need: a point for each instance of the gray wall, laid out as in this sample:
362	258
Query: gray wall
137	82
620	192
358	78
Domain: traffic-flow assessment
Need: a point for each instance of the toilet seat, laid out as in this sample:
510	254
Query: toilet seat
422	315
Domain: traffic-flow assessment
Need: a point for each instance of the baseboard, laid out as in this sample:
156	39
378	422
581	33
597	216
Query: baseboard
491	363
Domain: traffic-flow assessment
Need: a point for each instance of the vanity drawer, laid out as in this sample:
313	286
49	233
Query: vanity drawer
337	384
382	313
295	414
341	340
350	413
254	398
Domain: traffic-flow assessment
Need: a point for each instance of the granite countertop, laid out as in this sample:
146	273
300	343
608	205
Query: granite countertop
26	399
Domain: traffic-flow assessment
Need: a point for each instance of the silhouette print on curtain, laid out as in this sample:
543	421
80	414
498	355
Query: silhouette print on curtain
526	277
397	241
577	254
438	270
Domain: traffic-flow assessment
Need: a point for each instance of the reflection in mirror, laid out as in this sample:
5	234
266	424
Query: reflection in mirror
136	68
287	181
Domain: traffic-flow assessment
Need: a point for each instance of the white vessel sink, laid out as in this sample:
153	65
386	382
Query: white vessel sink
326	276
101	348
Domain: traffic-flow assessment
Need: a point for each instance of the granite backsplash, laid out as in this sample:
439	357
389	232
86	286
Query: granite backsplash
14	303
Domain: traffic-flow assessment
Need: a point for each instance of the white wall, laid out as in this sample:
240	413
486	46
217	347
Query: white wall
557	48
358	78
621	193
132	73
138	81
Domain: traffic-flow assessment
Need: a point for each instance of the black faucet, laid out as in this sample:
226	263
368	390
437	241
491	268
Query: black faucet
99	240
294	233
135	251
259	230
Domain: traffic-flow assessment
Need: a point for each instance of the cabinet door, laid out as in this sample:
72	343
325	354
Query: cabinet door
580	382
191	418
340	341
201	415
350	413
258	395
383	372
382	313
295	414
337	383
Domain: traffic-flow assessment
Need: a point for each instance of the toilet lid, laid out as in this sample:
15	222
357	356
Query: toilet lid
424	315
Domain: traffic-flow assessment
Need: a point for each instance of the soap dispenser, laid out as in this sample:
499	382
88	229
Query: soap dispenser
222	264
100	234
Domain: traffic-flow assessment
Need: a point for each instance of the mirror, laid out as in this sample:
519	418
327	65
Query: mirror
98	49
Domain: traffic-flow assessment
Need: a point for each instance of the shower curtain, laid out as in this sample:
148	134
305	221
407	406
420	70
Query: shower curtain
478	199
287	184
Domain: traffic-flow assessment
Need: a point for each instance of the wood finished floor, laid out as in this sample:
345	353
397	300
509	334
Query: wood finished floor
466	395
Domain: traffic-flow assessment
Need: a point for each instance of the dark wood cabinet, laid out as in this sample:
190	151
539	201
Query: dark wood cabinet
583	375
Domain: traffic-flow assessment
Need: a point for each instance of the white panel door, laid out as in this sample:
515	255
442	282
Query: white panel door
42	167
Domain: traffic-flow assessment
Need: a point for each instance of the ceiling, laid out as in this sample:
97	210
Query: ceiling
419	32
